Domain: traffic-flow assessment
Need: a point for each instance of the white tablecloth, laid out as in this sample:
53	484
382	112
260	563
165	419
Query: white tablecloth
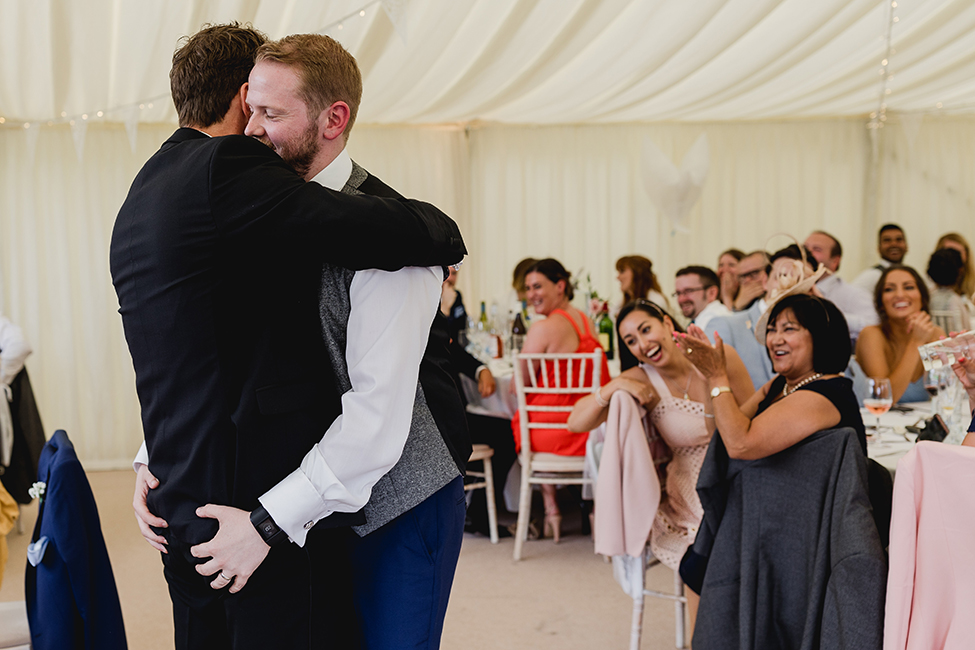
894	440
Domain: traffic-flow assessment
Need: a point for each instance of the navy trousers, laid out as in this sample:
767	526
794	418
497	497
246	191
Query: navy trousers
402	573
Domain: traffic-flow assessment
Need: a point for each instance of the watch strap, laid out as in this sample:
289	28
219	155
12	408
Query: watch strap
717	390
266	528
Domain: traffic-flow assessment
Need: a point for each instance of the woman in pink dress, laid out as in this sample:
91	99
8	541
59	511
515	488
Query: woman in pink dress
675	394
564	329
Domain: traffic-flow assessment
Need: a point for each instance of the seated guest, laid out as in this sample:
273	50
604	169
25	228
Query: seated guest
728	276
752	275
948	310
892	246
492	431
890	348
808	342
738	330
565	329
637	280
518	277
488	430
452	306
697	295
965	287
855	302
768	526
676	397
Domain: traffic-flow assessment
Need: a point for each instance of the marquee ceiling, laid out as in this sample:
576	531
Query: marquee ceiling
519	61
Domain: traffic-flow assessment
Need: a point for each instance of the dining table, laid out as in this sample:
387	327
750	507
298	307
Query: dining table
892	441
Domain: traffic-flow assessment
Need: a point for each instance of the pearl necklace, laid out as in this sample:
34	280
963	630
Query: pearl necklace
786	391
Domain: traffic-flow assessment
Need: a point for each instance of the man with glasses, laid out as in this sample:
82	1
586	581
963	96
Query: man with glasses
738	329
697	294
752	275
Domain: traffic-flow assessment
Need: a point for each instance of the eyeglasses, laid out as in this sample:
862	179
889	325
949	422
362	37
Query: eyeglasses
686	292
751	275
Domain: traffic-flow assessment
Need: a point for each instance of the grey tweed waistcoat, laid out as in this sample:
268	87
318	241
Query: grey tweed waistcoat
426	464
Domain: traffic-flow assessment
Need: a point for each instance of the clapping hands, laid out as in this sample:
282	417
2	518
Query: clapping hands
707	358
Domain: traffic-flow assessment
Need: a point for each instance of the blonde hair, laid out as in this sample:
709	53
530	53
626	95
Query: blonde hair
327	71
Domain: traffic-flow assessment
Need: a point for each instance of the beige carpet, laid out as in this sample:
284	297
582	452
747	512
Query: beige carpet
559	596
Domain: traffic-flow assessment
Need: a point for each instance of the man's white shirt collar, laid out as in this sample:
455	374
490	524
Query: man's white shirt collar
337	173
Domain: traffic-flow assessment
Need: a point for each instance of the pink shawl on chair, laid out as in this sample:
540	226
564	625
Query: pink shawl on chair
627	489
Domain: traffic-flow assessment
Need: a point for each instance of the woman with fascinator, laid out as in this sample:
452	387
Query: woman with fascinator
808	342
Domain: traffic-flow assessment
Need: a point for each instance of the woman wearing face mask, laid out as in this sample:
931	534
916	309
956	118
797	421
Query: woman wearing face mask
890	348
676	397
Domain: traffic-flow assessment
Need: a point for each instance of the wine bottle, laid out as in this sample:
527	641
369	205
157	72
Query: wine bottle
518	331
606	338
482	322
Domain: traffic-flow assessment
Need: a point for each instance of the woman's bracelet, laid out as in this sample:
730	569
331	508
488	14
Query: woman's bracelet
602	403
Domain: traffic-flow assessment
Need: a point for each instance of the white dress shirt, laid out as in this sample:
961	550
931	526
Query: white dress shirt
855	303
867	280
712	309
389	323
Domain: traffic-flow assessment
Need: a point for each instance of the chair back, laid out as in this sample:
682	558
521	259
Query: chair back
950	320
552	374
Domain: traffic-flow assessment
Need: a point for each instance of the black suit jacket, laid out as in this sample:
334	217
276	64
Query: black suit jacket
215	256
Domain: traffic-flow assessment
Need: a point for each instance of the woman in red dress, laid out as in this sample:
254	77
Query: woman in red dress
564	329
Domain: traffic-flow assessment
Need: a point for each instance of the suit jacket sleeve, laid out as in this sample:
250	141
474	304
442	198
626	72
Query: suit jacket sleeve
253	193
463	360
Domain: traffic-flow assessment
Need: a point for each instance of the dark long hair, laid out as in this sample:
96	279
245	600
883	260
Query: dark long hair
878	294
652	309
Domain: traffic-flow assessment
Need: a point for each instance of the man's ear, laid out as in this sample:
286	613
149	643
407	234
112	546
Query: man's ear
711	294
239	110
333	120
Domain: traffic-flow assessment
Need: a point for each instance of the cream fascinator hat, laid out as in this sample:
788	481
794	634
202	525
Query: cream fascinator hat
795	280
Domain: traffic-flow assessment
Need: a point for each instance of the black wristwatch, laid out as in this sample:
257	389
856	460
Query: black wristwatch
266	528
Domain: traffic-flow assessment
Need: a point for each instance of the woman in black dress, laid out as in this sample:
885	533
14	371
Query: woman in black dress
809	344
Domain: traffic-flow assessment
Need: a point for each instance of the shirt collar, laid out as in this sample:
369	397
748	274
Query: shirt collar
337	173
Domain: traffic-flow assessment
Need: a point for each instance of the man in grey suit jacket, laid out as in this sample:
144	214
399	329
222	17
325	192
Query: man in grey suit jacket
738	330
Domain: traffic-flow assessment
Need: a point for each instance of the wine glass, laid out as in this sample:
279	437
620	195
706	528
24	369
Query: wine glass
879	398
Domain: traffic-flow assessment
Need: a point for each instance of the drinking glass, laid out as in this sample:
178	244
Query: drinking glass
879	398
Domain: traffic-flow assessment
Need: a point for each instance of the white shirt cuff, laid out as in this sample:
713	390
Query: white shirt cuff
290	502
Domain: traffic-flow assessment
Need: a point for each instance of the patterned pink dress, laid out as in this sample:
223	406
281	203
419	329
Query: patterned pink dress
682	425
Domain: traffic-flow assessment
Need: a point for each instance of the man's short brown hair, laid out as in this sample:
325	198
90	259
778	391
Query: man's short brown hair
208	70
327	71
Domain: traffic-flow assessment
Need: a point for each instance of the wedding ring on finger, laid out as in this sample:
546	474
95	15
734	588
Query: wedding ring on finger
225	576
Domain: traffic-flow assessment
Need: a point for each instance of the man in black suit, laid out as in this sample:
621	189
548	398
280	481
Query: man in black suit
401	444
216	257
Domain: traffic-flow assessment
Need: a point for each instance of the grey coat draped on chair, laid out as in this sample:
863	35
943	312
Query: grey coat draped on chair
793	558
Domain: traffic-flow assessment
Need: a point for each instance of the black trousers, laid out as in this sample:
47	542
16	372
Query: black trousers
299	598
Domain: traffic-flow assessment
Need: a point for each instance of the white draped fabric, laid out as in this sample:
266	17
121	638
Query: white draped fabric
524	119
573	192
518	61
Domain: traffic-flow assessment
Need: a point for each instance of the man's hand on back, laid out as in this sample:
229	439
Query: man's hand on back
145	481
235	551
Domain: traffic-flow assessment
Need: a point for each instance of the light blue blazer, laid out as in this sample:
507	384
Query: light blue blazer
738	331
